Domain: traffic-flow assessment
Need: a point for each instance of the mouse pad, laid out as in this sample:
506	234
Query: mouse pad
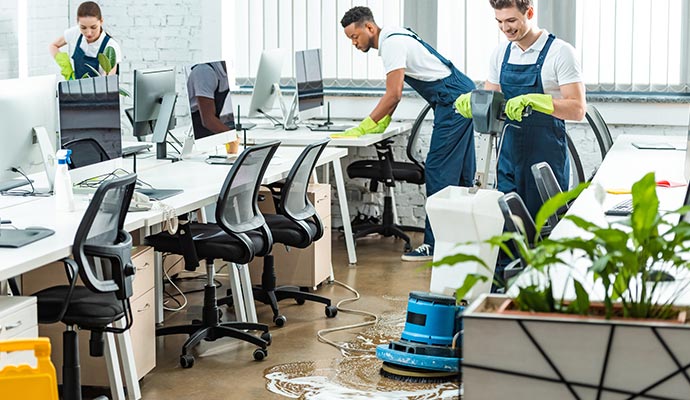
15	238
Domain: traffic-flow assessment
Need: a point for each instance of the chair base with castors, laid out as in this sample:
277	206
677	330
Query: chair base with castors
210	328
388	227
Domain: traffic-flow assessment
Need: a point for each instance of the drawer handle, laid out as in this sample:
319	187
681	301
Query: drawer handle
13	326
143	267
146	307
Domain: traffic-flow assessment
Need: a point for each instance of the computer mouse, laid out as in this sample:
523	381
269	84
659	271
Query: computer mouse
36	228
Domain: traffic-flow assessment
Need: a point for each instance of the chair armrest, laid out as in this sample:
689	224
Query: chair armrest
122	269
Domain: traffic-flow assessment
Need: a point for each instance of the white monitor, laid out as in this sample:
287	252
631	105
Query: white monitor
154	105
25	104
309	83
267	84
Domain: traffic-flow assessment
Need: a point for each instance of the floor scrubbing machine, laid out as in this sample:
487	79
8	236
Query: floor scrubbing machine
429	349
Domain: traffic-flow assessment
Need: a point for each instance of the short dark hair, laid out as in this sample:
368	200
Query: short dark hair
358	16
522	5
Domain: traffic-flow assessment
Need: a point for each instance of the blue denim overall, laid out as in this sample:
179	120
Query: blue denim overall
81	60
539	137
451	159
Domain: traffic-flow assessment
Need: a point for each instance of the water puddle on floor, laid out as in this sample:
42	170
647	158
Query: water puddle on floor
356	375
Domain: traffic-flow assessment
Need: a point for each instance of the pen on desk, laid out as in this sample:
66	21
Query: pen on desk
5	221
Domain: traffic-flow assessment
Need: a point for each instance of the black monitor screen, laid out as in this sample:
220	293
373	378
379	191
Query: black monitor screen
90	109
309	80
210	105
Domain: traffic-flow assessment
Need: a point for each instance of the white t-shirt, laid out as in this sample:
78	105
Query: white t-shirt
71	36
406	52
561	65
203	81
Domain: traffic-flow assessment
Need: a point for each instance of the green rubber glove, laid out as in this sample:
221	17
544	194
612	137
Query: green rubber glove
539	102
463	106
364	127
63	61
382	125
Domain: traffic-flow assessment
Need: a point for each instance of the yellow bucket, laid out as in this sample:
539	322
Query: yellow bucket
23	381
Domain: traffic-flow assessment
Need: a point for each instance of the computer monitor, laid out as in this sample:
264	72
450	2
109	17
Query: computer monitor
210	106
27	110
154	105
90	109
309	83
267	84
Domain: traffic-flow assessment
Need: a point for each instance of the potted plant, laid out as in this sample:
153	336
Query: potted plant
541	343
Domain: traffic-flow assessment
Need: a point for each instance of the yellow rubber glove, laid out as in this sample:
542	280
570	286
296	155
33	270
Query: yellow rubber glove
463	106
382	125
364	127
63	61
539	102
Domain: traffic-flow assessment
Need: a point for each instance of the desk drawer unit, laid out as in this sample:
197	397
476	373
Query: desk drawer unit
18	319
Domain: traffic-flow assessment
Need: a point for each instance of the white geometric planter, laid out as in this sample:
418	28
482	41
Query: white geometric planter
555	357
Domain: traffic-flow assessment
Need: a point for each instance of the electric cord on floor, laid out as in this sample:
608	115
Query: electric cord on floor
321	335
181	293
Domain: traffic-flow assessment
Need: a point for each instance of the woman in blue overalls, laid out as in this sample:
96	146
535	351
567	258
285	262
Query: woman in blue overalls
86	41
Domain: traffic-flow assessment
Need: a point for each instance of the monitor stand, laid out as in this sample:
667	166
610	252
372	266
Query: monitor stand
47	154
160	131
289	113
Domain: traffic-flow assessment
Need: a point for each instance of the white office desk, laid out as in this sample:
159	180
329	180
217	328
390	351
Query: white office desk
303	136
623	166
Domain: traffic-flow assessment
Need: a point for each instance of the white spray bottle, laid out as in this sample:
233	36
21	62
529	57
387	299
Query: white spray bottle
64	196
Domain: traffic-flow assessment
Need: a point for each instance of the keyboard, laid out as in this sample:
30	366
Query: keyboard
623	208
129	150
330	128
159	194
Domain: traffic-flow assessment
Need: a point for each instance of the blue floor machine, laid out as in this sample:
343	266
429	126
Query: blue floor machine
429	349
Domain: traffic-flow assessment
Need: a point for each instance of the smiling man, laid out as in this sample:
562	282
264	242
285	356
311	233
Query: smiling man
407	58
535	69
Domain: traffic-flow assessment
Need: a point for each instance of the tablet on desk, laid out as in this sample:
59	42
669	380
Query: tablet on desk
654	146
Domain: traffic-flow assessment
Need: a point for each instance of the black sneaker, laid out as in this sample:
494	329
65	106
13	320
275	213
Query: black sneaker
424	252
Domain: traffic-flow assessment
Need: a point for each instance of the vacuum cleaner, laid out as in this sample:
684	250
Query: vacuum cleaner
429	348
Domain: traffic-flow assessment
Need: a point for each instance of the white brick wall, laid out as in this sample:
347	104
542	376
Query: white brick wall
9	67
48	19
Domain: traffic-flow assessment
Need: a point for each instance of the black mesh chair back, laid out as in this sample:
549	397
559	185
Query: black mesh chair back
294	202
548	186
517	217
601	130
85	151
102	248
237	209
577	170
413	150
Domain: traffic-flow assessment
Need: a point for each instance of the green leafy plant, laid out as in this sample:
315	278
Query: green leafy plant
627	259
107	61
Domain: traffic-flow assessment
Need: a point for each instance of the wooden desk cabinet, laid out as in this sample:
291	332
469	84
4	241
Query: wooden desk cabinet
301	267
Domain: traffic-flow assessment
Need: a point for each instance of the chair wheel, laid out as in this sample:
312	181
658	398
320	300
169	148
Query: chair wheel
220	314
186	361
260	354
331	311
280	320
267	337
300	301
407	248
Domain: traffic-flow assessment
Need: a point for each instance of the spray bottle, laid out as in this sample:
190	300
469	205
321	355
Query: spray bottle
64	197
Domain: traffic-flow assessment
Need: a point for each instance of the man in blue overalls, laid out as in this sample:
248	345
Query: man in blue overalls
407	58
532	69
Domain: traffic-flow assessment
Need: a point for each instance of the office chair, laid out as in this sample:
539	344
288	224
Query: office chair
102	259
85	151
239	234
295	224
601	130
577	171
517	220
387	171
548	186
